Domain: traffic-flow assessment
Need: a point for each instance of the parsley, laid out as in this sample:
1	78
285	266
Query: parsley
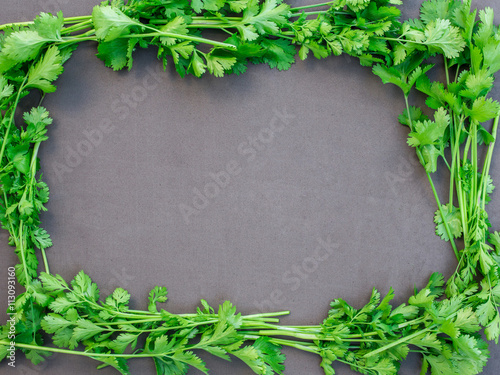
442	322
470	50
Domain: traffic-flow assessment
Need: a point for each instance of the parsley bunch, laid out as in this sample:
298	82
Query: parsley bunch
463	129
109	331
459	125
376	338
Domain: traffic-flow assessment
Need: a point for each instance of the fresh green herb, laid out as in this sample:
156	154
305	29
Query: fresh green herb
443	324
462	107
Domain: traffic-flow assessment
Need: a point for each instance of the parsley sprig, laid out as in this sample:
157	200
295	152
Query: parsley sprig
441	323
457	135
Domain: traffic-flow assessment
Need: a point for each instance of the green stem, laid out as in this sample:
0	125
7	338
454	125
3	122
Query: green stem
71	20
487	165
11	120
223	22
436	196
294	344
21	250
139	321
45	261
395	343
34	157
11	229
446	69
454	141
413	322
475	171
180	36
311	6
210	18
78	40
157	329
80	353
408	112
310	13
211	26
68	20
267	315
458	182
78	27
313	337
441	212
14	24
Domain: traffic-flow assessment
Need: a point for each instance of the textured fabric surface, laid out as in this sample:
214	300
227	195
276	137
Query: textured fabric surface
324	198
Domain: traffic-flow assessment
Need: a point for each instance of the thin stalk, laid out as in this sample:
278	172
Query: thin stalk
112	312
307	347
147	313
188	37
304	336
221	23
78	27
454	145
71	20
179	36
264	316
157	329
441	212
413	322
88	36
461	196
446	69
23	259
67	21
11	120
487	165
436	196
475	170
34	157
139	321
408	112
313	328
11	229
80	353
395	343
211	18
45	261
310	13
446	161
216	27
14	24
142	315
201	21
457	72
210	26
257	326
311	6
78	40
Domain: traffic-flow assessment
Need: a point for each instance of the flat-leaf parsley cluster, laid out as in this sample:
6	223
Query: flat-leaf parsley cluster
456	132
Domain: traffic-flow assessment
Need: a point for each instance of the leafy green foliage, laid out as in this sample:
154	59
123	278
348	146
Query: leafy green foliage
110	23
373	339
469	45
78	317
428	322
452	218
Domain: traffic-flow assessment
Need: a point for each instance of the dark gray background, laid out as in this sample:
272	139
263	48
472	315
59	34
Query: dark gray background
339	171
